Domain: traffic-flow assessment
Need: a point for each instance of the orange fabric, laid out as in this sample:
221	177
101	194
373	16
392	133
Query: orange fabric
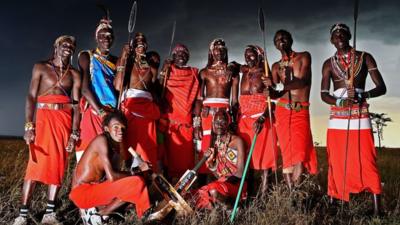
141	134
182	88
129	189
203	198
90	127
295	138
362	172
53	128
265	148
206	124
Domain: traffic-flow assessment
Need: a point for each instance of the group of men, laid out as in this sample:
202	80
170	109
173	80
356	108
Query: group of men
165	115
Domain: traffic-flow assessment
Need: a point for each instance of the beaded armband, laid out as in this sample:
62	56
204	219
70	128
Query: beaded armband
196	121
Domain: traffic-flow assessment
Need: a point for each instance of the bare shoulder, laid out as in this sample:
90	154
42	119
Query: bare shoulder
84	53
244	68
234	67
304	55
236	140
275	65
41	65
326	64
203	72
367	55
99	143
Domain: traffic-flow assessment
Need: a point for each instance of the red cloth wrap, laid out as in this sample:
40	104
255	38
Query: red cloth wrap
90	127
53	128
362	173
294	135
141	133
129	189
263	154
182	89
205	200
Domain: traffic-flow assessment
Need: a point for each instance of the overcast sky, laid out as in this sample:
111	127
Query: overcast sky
29	29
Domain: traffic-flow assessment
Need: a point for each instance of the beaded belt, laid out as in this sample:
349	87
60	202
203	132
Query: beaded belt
344	113
297	106
53	106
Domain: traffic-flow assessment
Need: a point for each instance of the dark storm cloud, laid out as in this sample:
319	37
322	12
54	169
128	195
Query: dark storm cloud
30	27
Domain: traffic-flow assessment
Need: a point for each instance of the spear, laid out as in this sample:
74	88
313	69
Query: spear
350	85
131	26
267	74
169	54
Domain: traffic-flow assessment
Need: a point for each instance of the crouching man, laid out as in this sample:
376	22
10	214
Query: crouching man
226	162
101	188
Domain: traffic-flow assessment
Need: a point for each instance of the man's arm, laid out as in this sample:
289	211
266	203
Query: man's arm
122	67
270	82
326	84
380	87
239	145
84	67
76	90
197	131
102	148
234	101
303	78
30	103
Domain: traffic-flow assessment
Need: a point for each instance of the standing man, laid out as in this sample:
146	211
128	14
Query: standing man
53	98
219	88
226	162
137	99
292	79
89	190
181	90
350	144
98	72
253	116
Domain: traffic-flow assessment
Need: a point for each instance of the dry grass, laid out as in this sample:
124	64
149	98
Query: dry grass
307	205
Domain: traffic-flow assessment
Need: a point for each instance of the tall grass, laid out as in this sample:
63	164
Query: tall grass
308	204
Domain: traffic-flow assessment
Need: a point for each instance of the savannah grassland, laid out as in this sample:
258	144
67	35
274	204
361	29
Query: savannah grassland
307	205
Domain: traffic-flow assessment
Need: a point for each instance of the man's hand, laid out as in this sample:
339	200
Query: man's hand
165	68
258	124
210	161
71	144
29	136
266	81
351	93
126	51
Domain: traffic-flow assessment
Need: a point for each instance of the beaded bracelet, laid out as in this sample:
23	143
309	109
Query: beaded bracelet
29	126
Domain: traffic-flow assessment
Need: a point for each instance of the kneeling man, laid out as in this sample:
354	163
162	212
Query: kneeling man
227	164
90	189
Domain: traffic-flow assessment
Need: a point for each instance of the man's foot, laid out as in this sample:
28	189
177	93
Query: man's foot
50	219
20	220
